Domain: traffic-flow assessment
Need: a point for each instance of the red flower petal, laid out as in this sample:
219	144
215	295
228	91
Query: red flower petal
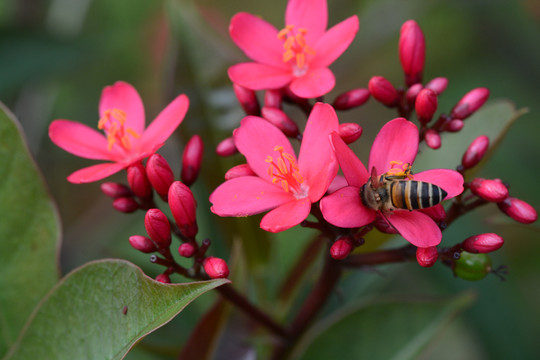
256	76
417	228
247	195
397	141
344	208
449	180
334	42
336	184
94	173
317	161
123	96
81	140
315	83
164	124
286	215
310	15
354	171
258	39
256	139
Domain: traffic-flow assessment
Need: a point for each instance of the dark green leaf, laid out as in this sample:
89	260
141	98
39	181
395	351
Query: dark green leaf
100	310
380	328
29	233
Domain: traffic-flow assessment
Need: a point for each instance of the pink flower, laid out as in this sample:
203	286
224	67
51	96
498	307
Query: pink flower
283	183
126	140
298	55
396	142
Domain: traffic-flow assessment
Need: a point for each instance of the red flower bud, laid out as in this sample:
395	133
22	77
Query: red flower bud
226	147
412	52
475	152
425	105
183	208
490	190
291	97
158	228
454	125
163	278
412	93
238	171
272	98
186	250
115	190
247	99
383	91
159	174
427	257
125	204
349	132
483	243
279	119
469	103
433	139
215	268
192	160
518	210
351	99
142	243
341	248
138	181
438	85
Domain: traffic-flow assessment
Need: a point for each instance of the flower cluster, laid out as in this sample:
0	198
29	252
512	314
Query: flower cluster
127	144
295	165
292	65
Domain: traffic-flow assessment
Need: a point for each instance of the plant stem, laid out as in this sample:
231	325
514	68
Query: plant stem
229	293
402	254
330	275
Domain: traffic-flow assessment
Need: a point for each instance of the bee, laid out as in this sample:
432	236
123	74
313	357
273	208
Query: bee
395	189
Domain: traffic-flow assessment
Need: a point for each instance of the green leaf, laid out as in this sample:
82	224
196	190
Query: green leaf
29	233
493	120
380	328
100	310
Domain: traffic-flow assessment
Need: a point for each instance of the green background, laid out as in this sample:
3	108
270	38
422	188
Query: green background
56	56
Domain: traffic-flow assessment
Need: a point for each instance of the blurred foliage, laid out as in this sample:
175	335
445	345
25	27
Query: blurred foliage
57	55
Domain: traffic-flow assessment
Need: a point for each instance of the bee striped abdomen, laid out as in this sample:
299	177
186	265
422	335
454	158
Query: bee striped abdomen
414	195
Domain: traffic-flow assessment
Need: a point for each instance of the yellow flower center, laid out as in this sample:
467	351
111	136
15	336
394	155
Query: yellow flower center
113	123
284	170
295	48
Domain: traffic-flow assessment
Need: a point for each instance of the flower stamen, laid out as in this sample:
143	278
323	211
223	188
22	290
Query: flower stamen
113	123
284	170
295	48
399	169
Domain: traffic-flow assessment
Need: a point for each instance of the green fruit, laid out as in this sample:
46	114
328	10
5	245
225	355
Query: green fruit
472	267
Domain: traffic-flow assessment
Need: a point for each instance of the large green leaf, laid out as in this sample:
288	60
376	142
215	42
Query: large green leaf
380	328
100	310
29	233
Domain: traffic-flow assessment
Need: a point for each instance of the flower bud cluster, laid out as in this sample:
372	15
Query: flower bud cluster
422	99
157	175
